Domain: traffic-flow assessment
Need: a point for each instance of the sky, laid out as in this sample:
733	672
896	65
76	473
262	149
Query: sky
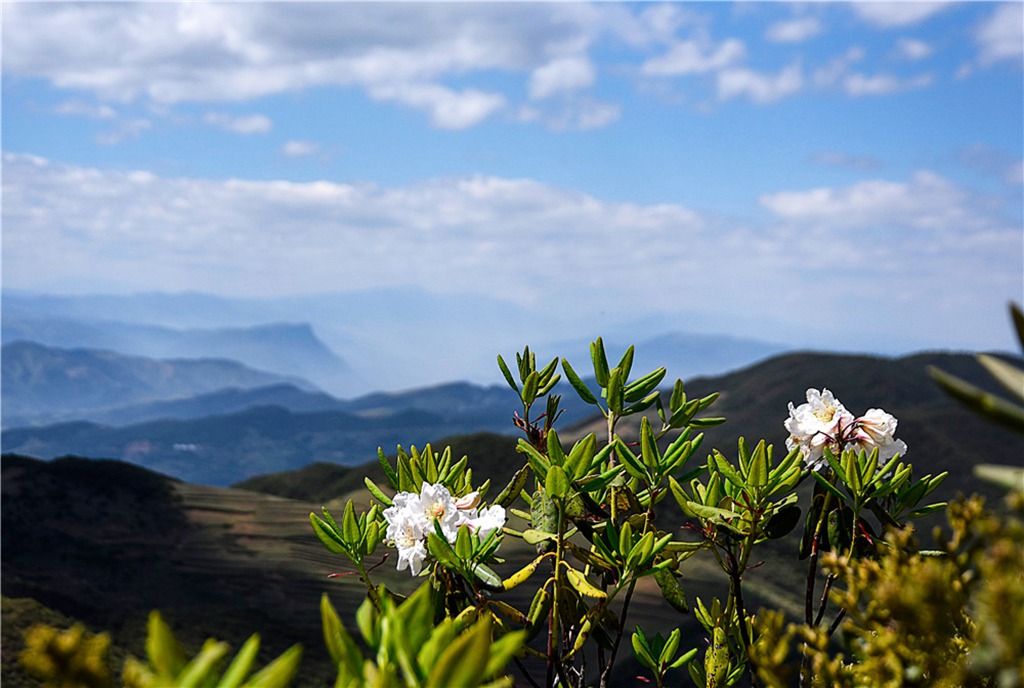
831	175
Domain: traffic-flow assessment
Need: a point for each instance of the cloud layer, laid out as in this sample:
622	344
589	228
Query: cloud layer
849	253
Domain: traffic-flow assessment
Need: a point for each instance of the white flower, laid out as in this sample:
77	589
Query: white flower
407	533
490	519
411	517
876	428
437	505
816	424
823	422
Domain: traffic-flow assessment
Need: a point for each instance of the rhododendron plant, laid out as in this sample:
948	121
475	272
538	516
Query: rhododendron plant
412	516
824	423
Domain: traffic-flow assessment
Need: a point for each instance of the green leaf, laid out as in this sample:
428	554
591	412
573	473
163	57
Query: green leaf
556	454
648	446
503	650
538	461
514	487
377	493
487	576
441	550
388	470
530	386
626	362
349	526
1010	377
758	475
600	362
280	672
687	657
582	585
163	650
340	645
328	536
782	522
629	460
463	543
557	482
508	374
464	661
727	470
642	650
240	665
668	651
615	400
828	486
200	670
640	388
577	384
671	590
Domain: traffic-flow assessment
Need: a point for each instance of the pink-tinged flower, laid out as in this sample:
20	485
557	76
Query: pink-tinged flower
876	428
823	422
490	519
469	501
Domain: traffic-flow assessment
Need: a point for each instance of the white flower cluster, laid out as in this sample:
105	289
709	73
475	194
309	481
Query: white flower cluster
412	516
824	422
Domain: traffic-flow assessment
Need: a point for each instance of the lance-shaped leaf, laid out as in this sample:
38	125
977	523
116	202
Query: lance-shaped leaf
340	645
514	488
577	384
464	661
557	482
508	374
578	581
600	362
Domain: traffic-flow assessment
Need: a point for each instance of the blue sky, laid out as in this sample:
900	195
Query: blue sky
834	175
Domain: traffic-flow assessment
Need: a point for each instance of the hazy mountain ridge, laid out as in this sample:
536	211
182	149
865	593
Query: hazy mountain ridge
228	448
393	339
289	349
43	384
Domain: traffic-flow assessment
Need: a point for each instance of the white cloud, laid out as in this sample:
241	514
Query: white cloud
857	85
448	109
1001	36
1015	173
927	201
126	130
561	75
78	108
760	88
833	71
169	53
299	149
932	242
246	124
695	57
793	30
863	163
913	49
896	14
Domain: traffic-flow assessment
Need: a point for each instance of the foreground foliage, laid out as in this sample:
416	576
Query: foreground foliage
878	611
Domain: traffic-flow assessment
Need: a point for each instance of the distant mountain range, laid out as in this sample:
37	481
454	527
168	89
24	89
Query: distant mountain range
285	349
362	342
42	384
230	447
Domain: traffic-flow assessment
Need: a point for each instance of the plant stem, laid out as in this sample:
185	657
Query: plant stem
606	672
